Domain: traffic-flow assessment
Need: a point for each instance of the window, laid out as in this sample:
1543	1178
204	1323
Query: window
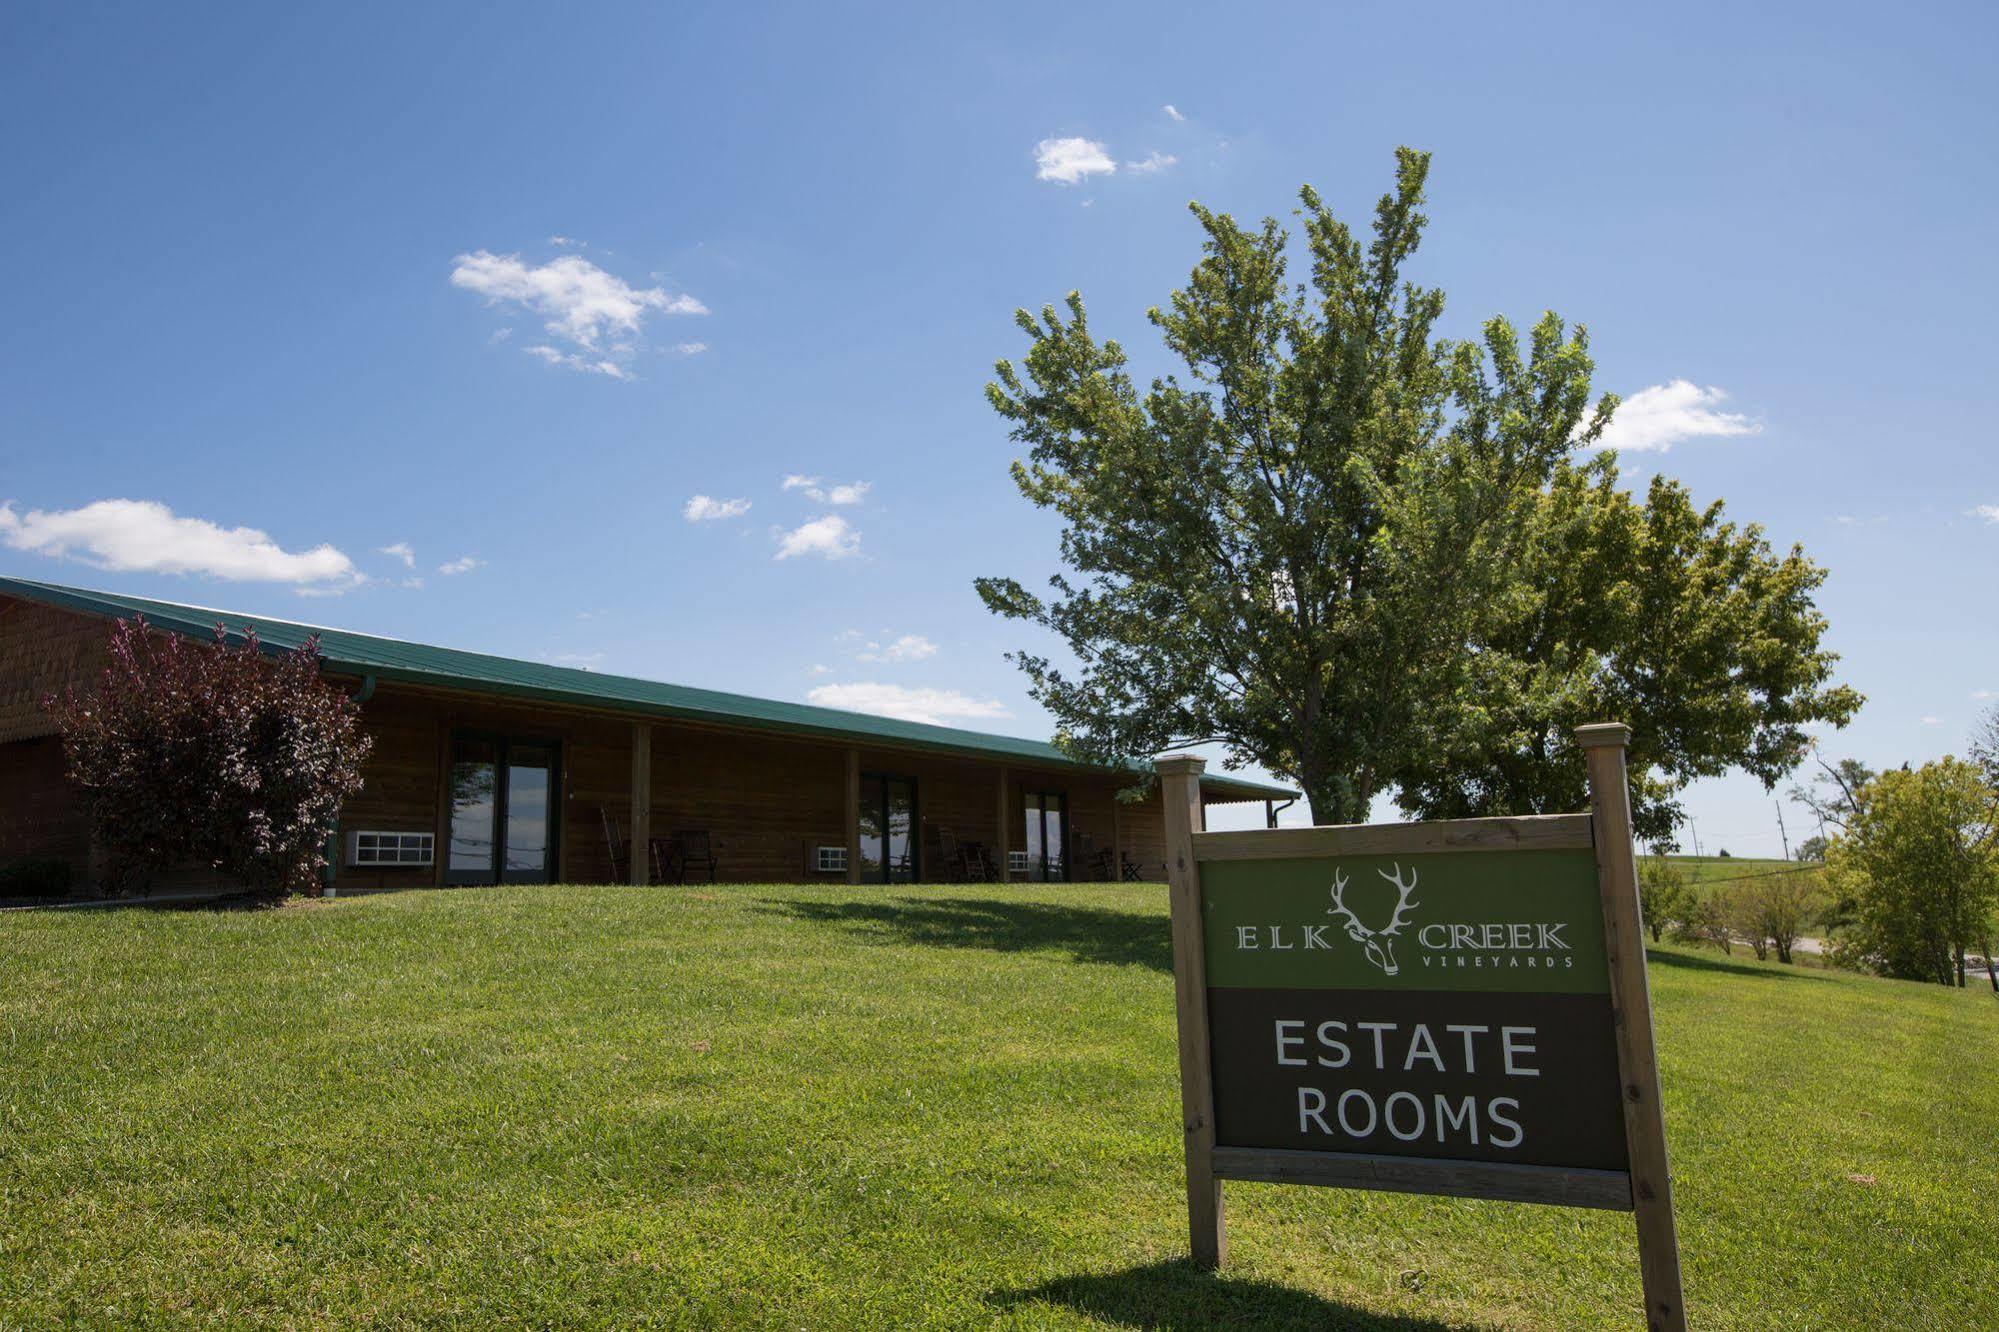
1046	845
831	860
502	811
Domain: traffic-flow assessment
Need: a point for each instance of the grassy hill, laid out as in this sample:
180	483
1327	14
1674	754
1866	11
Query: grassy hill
1708	869
834	1108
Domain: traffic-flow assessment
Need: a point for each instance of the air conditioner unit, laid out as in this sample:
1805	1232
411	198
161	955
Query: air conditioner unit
830	860
377	849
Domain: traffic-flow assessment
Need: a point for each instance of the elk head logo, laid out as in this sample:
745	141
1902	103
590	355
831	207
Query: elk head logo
1378	943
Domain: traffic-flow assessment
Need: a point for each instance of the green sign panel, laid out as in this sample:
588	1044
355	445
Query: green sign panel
1470	920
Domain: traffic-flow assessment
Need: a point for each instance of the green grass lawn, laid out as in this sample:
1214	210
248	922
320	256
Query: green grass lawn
839	1108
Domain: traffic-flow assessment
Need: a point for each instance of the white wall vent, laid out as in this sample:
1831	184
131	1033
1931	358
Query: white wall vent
377	849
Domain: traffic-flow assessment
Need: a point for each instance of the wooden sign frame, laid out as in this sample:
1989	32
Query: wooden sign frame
1644	1188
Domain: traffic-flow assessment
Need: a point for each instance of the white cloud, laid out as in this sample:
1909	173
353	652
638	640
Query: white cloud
938	706
702	509
910	647
586	364
852	493
831	537
1664	414
691	348
1932	721
401	550
821	668
1155	161
848	494
463	564
579	303
1983	694
1989	512
143	536
1172	112
1068	161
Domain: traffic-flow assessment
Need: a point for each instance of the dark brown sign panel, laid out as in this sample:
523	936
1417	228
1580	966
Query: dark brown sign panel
1523	1078
1422	1007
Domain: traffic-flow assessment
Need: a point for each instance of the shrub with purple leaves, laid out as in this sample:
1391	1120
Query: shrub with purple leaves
215	755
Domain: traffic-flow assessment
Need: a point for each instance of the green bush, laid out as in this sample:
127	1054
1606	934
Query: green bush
38	876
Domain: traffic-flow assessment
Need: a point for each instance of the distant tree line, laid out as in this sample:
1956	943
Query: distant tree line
1767	911
1906	880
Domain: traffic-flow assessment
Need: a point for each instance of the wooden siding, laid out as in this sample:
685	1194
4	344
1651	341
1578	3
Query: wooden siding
765	800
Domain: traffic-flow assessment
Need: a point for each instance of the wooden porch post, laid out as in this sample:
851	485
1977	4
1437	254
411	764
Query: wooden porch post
1117	839
1002	850
1180	791
1631	1014
853	816
640	855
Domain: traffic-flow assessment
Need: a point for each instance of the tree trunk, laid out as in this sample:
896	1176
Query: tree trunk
1333	799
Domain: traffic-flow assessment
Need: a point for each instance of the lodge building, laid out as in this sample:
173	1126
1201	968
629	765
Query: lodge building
488	770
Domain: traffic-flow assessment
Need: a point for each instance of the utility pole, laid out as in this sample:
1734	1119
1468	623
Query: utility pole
1780	828
1694	831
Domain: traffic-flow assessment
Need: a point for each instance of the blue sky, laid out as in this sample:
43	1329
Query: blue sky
506	288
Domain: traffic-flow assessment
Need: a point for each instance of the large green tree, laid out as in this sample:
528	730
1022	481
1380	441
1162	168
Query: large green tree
1368	558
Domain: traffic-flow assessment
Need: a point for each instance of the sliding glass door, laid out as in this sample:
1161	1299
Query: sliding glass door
1046	836
889	840
502	811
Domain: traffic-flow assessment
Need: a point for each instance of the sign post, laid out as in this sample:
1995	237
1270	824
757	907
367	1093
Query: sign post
1455	1008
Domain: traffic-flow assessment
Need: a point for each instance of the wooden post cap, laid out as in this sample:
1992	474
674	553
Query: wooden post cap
1603	733
1174	765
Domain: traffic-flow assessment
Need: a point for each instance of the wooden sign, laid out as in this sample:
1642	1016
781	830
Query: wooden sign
1453	1008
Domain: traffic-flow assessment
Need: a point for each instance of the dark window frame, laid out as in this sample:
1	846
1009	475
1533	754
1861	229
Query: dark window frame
1040	874
877	784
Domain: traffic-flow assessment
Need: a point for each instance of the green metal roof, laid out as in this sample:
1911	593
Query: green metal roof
391	659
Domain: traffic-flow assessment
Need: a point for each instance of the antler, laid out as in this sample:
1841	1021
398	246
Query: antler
1402	902
1339	908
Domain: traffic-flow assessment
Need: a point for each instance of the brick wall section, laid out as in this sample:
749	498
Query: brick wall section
43	651
41	812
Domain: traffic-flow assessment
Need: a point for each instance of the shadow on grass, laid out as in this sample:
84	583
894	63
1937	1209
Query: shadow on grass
1086	934
1731	967
209	902
1180	1297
